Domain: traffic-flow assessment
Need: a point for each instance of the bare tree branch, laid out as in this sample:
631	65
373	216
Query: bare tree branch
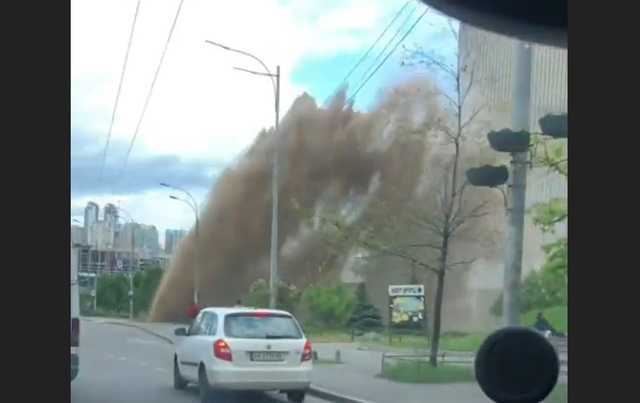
461	263
476	212
473	116
424	245
466	92
460	195
402	255
453	31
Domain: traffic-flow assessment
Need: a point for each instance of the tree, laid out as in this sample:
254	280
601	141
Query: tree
145	284
112	293
288	296
449	211
328	306
365	316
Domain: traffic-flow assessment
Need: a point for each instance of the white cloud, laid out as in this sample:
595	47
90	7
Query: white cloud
201	107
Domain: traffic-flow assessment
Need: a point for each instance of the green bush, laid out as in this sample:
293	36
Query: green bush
328	306
420	371
364	316
288	296
145	284
113	293
546	287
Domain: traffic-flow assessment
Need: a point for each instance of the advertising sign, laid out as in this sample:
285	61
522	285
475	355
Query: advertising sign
406	304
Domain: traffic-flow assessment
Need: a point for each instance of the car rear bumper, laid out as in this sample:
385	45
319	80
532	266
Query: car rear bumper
260	379
75	365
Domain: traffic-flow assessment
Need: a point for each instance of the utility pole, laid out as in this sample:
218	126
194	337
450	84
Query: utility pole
275	80
273	278
131	269
95	292
515	220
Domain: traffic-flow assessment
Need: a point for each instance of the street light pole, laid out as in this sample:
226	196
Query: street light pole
273	278
196	212
275	80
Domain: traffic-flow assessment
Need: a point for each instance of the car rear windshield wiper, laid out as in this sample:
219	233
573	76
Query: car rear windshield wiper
279	336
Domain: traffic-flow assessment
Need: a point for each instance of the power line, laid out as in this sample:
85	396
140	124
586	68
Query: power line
388	55
364	56
115	105
153	83
389	42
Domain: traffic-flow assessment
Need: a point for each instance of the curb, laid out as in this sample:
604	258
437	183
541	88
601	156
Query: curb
332	396
144	329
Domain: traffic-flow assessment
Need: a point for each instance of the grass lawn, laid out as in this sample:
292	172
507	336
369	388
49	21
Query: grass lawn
421	372
328	335
556	315
448	342
558	395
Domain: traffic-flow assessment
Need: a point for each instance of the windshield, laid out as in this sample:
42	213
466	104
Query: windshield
393	179
250	326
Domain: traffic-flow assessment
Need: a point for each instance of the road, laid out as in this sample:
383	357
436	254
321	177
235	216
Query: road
124	364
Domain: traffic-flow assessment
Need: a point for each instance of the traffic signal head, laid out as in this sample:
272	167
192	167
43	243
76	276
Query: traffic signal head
509	141
488	176
555	126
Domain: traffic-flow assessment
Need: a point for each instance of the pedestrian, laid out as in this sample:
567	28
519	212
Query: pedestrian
193	311
238	303
542	325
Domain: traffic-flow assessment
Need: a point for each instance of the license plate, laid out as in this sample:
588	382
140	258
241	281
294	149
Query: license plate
267	356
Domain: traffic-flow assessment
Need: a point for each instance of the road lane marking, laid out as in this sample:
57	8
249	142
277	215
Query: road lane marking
161	370
143	364
122	358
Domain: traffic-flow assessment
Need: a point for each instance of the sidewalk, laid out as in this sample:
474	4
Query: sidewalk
357	376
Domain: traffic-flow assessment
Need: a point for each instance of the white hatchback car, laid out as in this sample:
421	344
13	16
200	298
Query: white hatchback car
243	349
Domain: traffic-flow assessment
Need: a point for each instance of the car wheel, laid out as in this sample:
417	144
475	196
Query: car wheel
296	396
203	386
178	381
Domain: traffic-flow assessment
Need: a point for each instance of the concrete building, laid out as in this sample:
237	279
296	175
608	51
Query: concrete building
491	57
102	236
145	241
111	215
171	239
471	291
77	235
99	260
91	214
91	217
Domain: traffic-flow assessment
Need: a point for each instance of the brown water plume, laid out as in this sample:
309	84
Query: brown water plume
328	156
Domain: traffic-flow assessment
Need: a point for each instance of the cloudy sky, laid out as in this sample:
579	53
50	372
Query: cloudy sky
203	113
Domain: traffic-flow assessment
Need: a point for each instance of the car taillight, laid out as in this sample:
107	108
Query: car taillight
75	332
307	352
221	350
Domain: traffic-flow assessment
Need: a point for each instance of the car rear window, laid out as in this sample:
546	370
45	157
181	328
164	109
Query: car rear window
259	325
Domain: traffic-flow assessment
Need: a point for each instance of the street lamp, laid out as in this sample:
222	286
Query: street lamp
193	204
273	281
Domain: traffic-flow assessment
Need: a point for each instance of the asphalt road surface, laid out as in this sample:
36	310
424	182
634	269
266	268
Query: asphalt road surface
124	364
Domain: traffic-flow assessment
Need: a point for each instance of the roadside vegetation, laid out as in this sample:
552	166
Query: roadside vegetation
419	371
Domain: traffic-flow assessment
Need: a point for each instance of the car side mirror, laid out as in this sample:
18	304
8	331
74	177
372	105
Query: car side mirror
181	331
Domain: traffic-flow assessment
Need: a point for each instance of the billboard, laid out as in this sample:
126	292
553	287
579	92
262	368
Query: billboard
406	305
